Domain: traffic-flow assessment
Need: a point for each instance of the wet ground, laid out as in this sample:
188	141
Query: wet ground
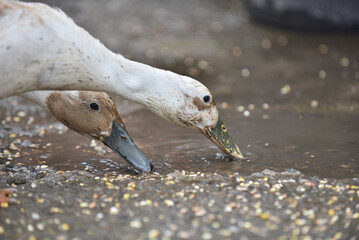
289	99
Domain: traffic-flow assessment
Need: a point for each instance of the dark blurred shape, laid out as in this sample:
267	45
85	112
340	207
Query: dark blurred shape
312	15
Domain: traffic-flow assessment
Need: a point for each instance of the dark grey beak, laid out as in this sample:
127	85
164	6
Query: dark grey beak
121	142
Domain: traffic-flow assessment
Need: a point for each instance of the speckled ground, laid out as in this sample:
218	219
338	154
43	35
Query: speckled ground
181	205
290	100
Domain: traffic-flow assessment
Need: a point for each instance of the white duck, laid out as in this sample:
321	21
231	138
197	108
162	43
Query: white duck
95	115
43	49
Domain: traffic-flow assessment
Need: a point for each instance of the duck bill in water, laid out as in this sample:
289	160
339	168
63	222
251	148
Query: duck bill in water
121	142
219	135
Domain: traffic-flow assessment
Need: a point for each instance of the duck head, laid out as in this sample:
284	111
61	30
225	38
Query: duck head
94	114
188	103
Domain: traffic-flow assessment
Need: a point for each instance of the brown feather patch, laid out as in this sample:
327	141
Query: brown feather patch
200	105
76	114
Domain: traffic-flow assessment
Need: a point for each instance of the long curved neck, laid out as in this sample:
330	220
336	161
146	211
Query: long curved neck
53	53
142	83
112	73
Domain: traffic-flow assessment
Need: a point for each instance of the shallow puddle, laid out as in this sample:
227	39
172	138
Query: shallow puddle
314	145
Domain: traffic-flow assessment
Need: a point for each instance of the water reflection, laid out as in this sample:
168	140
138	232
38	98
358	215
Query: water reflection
312	144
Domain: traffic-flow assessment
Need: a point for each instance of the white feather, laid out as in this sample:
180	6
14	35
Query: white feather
43	49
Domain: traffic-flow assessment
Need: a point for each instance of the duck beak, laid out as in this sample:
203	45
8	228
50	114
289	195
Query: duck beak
219	135
121	142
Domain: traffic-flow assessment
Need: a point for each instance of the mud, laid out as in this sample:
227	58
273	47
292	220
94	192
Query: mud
290	100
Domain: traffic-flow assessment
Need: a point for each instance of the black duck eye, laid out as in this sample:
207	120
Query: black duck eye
94	106
206	98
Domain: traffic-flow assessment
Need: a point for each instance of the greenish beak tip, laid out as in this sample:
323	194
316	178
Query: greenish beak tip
219	135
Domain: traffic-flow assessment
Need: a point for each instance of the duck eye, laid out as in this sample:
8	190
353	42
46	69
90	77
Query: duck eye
206	98
94	106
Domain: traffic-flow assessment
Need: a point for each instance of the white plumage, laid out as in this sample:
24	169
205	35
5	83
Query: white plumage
43	49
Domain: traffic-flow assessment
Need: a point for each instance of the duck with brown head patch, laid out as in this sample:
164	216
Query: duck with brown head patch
95	115
69	58
188	103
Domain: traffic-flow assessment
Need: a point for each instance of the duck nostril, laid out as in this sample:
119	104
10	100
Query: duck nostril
152	167
123	138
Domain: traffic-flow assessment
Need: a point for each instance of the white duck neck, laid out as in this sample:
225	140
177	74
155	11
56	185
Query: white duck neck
58	55
38	97
112	73
137	81
94	67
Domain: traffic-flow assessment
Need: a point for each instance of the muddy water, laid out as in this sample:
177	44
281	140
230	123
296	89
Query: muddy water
290	100
312	144
308	143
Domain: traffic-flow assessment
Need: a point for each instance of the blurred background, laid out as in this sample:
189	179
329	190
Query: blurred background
285	75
